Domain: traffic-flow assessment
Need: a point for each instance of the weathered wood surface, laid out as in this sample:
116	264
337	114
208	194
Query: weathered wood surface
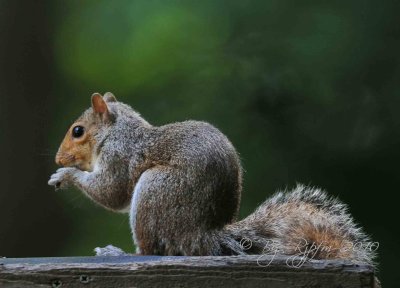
157	271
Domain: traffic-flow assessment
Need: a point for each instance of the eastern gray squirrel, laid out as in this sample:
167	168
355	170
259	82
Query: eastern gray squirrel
181	184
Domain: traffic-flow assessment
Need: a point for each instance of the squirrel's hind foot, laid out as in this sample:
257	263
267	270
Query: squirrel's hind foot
109	250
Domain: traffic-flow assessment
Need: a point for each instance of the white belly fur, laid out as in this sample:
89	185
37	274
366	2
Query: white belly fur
134	206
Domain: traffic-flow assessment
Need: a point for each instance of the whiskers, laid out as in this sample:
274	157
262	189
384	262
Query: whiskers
48	153
76	201
123	222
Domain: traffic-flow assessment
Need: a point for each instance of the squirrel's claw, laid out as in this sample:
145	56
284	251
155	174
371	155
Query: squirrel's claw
60	179
54	181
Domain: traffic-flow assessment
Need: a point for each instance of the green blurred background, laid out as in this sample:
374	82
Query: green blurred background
308	91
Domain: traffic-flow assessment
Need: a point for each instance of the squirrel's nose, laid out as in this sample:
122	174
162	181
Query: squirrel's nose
58	159
64	159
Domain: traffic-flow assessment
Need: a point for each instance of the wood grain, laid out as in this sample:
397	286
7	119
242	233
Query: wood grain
166	271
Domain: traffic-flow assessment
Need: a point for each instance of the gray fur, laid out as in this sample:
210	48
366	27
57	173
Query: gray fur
189	193
192	180
277	221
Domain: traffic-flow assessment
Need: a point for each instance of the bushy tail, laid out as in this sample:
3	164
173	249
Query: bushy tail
304	221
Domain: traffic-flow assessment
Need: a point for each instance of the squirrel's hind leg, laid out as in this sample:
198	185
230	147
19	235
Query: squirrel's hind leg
110	250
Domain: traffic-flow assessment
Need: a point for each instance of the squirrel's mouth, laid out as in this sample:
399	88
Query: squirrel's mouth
83	167
67	160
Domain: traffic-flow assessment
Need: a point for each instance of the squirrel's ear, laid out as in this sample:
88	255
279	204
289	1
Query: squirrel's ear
100	106
109	97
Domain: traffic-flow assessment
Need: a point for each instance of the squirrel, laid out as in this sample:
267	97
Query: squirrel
181	184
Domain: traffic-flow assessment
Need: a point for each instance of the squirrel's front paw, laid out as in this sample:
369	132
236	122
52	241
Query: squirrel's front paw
62	178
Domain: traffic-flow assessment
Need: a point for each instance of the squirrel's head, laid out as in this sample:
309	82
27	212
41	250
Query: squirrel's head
78	147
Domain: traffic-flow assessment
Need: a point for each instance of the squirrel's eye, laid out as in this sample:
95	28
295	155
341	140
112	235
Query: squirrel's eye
78	131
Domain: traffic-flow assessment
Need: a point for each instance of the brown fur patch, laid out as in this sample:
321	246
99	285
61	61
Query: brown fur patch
77	152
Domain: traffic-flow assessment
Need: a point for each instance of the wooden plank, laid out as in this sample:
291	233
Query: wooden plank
171	271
